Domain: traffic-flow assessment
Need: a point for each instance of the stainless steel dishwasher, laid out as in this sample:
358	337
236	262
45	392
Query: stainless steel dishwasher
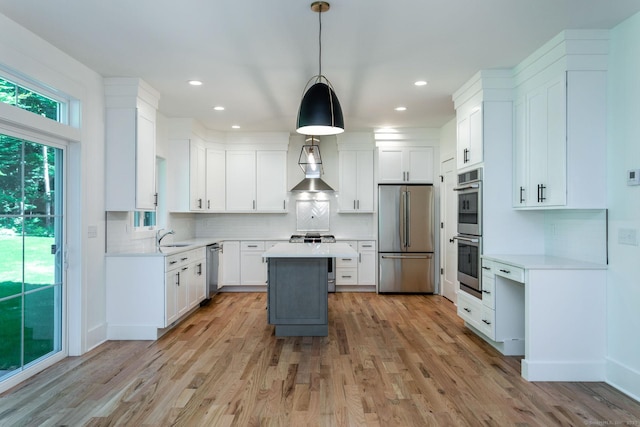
213	262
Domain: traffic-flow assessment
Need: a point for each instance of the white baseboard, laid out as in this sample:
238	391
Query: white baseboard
96	336
563	370
623	378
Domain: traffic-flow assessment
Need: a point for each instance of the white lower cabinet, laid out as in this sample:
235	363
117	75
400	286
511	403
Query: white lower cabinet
229	264
359	270
347	268
253	269
470	309
146	294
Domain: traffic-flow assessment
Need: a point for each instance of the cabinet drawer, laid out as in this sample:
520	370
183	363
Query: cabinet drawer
470	309
252	246
346	276
488	268
346	262
366	245
510	272
352	243
488	322
488	291
177	260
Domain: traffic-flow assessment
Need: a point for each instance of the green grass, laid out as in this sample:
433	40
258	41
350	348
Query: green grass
39	309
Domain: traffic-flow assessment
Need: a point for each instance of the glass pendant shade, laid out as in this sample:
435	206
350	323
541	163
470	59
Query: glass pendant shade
320	112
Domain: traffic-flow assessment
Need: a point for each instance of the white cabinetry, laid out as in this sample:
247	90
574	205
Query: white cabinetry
256	181
356	181
367	262
230	264
358	271
405	164
560	127
130	145
253	268
469	135
215	180
146	294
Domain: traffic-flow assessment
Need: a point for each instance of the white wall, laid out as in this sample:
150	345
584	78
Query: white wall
28	55
623	288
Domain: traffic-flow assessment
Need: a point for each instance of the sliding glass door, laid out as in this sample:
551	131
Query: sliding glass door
31	253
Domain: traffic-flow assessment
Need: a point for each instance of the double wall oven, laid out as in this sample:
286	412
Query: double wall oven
469	237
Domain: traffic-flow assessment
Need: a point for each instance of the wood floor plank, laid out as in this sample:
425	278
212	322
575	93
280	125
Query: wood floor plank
392	360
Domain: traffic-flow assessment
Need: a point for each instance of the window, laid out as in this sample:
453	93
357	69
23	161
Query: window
144	219
19	96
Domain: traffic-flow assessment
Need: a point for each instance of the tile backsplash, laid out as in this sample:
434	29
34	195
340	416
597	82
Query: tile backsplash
577	234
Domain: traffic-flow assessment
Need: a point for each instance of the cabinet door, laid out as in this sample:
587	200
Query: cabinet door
462	142
241	180
475	153
271	182
419	163
367	268
253	268
197	176
348	173
170	285
546	138
145	159
182	290
521	191
230	263
390	167
215	180
364	181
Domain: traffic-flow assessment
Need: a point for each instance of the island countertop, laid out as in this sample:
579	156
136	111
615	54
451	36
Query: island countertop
310	250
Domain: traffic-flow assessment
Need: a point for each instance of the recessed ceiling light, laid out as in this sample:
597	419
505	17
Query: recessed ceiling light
235	127
400	108
420	83
218	108
195	82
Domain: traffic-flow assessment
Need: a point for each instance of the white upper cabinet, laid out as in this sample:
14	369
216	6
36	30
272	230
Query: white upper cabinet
405	165
215	180
356	181
130	145
469	135
197	175
271	181
241	181
256	181
560	127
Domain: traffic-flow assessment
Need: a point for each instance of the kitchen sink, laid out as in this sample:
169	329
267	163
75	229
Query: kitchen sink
176	245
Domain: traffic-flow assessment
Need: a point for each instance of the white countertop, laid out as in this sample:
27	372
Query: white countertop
544	262
310	250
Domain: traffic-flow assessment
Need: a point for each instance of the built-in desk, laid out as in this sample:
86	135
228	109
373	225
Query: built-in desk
297	294
552	310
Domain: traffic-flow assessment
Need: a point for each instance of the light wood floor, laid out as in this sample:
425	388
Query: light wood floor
401	360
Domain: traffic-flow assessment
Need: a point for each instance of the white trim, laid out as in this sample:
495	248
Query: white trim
623	378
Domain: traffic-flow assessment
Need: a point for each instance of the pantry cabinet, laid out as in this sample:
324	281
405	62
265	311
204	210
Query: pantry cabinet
130	121
356	181
405	165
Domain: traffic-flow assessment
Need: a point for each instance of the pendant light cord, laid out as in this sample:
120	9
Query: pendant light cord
320	40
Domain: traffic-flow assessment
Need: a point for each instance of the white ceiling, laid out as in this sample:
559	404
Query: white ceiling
256	57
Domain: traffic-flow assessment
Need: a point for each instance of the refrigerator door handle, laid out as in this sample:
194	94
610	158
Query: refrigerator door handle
408	219
403	217
407	256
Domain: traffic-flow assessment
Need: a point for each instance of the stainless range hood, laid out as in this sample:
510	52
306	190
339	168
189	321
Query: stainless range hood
312	185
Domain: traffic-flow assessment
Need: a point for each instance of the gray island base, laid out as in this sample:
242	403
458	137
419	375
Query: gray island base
297	287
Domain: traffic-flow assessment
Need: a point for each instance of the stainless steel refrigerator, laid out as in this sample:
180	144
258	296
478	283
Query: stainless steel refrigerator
406	239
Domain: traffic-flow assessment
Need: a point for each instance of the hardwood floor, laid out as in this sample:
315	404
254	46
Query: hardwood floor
393	360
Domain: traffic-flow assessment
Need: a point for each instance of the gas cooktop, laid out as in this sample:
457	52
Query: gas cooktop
312	238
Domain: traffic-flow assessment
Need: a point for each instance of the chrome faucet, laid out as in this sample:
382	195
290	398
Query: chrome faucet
160	236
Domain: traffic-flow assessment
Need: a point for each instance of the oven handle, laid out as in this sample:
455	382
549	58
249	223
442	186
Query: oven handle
406	257
466	239
467	187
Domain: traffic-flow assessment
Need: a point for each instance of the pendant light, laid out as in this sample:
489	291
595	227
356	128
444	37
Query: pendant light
310	161
320	112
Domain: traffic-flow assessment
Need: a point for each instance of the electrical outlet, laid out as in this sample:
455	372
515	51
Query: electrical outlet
628	236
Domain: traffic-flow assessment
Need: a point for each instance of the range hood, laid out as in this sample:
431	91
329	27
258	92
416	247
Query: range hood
312	185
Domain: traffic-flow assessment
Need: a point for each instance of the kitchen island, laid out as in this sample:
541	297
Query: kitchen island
297	286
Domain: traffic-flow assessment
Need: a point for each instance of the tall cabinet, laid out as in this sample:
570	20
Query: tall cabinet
560	125
131	106
355	169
